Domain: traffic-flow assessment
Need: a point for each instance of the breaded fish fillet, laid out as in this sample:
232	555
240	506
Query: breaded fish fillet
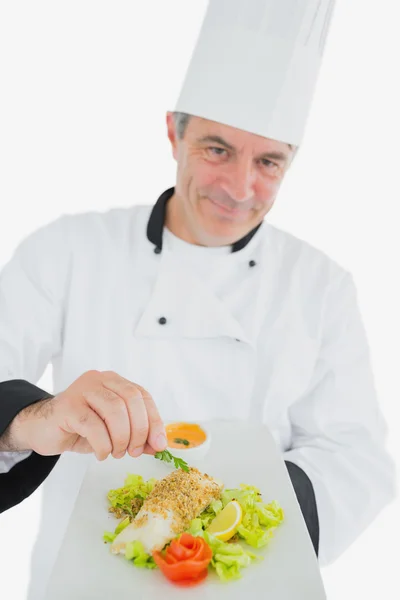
168	510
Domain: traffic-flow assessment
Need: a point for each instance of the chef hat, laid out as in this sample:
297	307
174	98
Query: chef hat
255	65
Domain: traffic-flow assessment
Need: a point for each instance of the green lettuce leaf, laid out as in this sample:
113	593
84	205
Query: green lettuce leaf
124	523
135	552
216	506
228	558
259	519
226	573
256	537
196	527
135	487
109	537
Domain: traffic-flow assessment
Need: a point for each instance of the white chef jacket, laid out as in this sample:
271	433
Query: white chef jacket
271	332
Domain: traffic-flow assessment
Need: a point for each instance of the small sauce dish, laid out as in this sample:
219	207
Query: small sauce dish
187	440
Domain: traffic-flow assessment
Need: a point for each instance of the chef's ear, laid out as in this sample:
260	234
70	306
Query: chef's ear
172	133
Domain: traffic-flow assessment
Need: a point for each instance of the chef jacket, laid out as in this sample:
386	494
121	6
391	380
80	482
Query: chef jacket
266	330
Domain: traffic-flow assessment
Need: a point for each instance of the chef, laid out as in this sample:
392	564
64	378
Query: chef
196	307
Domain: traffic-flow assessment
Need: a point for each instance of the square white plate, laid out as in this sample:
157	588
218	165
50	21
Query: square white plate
239	453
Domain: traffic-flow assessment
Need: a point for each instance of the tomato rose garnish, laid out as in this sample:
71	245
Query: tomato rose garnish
185	560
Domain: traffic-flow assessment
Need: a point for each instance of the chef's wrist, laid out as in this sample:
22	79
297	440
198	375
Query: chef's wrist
17	395
13	439
18	435
23	427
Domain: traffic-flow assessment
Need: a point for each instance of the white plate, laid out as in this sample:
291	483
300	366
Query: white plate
239	453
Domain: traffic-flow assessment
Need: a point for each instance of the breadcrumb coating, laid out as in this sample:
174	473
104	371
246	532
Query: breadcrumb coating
183	494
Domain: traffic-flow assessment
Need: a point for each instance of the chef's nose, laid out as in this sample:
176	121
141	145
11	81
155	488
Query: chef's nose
240	179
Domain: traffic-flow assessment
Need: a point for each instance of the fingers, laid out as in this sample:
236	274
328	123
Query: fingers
156	437
113	411
149	450
81	446
146	425
113	415
139	425
86	423
136	414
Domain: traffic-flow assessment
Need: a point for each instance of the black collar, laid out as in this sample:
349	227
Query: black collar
156	222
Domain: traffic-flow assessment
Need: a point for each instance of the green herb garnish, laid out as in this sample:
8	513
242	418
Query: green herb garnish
181	441
167	457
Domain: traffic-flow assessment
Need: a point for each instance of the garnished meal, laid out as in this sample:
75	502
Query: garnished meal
168	510
187	524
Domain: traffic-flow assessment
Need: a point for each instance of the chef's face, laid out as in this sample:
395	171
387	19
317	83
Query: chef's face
227	181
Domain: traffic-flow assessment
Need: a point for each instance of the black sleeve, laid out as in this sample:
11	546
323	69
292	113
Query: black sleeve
26	476
306	498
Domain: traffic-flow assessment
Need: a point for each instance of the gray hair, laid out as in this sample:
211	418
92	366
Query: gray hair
181	122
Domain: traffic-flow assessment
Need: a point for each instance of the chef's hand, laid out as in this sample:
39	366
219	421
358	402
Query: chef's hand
100	412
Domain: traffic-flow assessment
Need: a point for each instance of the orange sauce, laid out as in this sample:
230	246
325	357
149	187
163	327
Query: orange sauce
185	435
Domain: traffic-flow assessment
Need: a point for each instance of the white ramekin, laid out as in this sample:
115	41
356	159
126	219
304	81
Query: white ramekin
192	454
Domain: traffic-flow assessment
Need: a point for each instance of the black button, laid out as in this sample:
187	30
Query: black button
157	250
252	263
162	320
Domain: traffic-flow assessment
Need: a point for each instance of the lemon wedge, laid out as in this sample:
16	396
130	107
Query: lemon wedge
225	524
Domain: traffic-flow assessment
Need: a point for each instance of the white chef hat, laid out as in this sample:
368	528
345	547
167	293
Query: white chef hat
255	65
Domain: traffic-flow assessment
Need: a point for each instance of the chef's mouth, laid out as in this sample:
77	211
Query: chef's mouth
229	211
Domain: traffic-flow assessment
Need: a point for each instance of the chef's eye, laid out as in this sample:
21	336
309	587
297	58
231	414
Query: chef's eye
216	151
268	163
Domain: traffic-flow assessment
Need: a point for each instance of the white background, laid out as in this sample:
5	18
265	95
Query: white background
84	87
